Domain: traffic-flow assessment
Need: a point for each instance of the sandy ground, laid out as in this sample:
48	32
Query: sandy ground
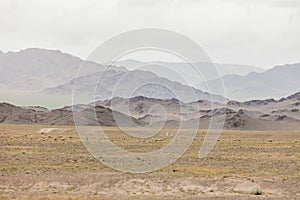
53	164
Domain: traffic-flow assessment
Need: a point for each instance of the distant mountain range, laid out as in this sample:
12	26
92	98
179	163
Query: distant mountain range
37	69
269	114
273	83
46	73
180	71
54	72
132	83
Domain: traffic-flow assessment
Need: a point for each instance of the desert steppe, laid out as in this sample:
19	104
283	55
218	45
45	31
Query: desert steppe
50	162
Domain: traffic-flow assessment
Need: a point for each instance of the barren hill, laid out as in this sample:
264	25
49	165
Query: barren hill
269	114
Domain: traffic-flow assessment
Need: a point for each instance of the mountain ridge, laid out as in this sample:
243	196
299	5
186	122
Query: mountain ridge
122	84
272	83
174	70
268	114
35	69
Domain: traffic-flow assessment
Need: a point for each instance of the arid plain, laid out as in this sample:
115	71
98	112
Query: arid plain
45	162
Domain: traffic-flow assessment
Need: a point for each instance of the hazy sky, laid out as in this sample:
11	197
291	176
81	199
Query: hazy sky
255	32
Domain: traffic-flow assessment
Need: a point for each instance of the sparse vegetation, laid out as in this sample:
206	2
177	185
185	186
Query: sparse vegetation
52	168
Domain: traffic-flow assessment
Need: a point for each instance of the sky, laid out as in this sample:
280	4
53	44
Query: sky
263	33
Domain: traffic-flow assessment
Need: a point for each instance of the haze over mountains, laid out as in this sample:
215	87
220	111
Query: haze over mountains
37	69
273	83
150	94
132	83
33	73
177	71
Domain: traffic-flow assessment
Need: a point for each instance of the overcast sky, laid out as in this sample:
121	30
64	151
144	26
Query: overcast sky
254	32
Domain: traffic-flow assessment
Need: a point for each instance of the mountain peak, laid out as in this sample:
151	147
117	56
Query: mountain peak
295	96
36	49
273	83
41	52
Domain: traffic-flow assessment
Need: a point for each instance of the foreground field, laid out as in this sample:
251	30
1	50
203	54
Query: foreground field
53	164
